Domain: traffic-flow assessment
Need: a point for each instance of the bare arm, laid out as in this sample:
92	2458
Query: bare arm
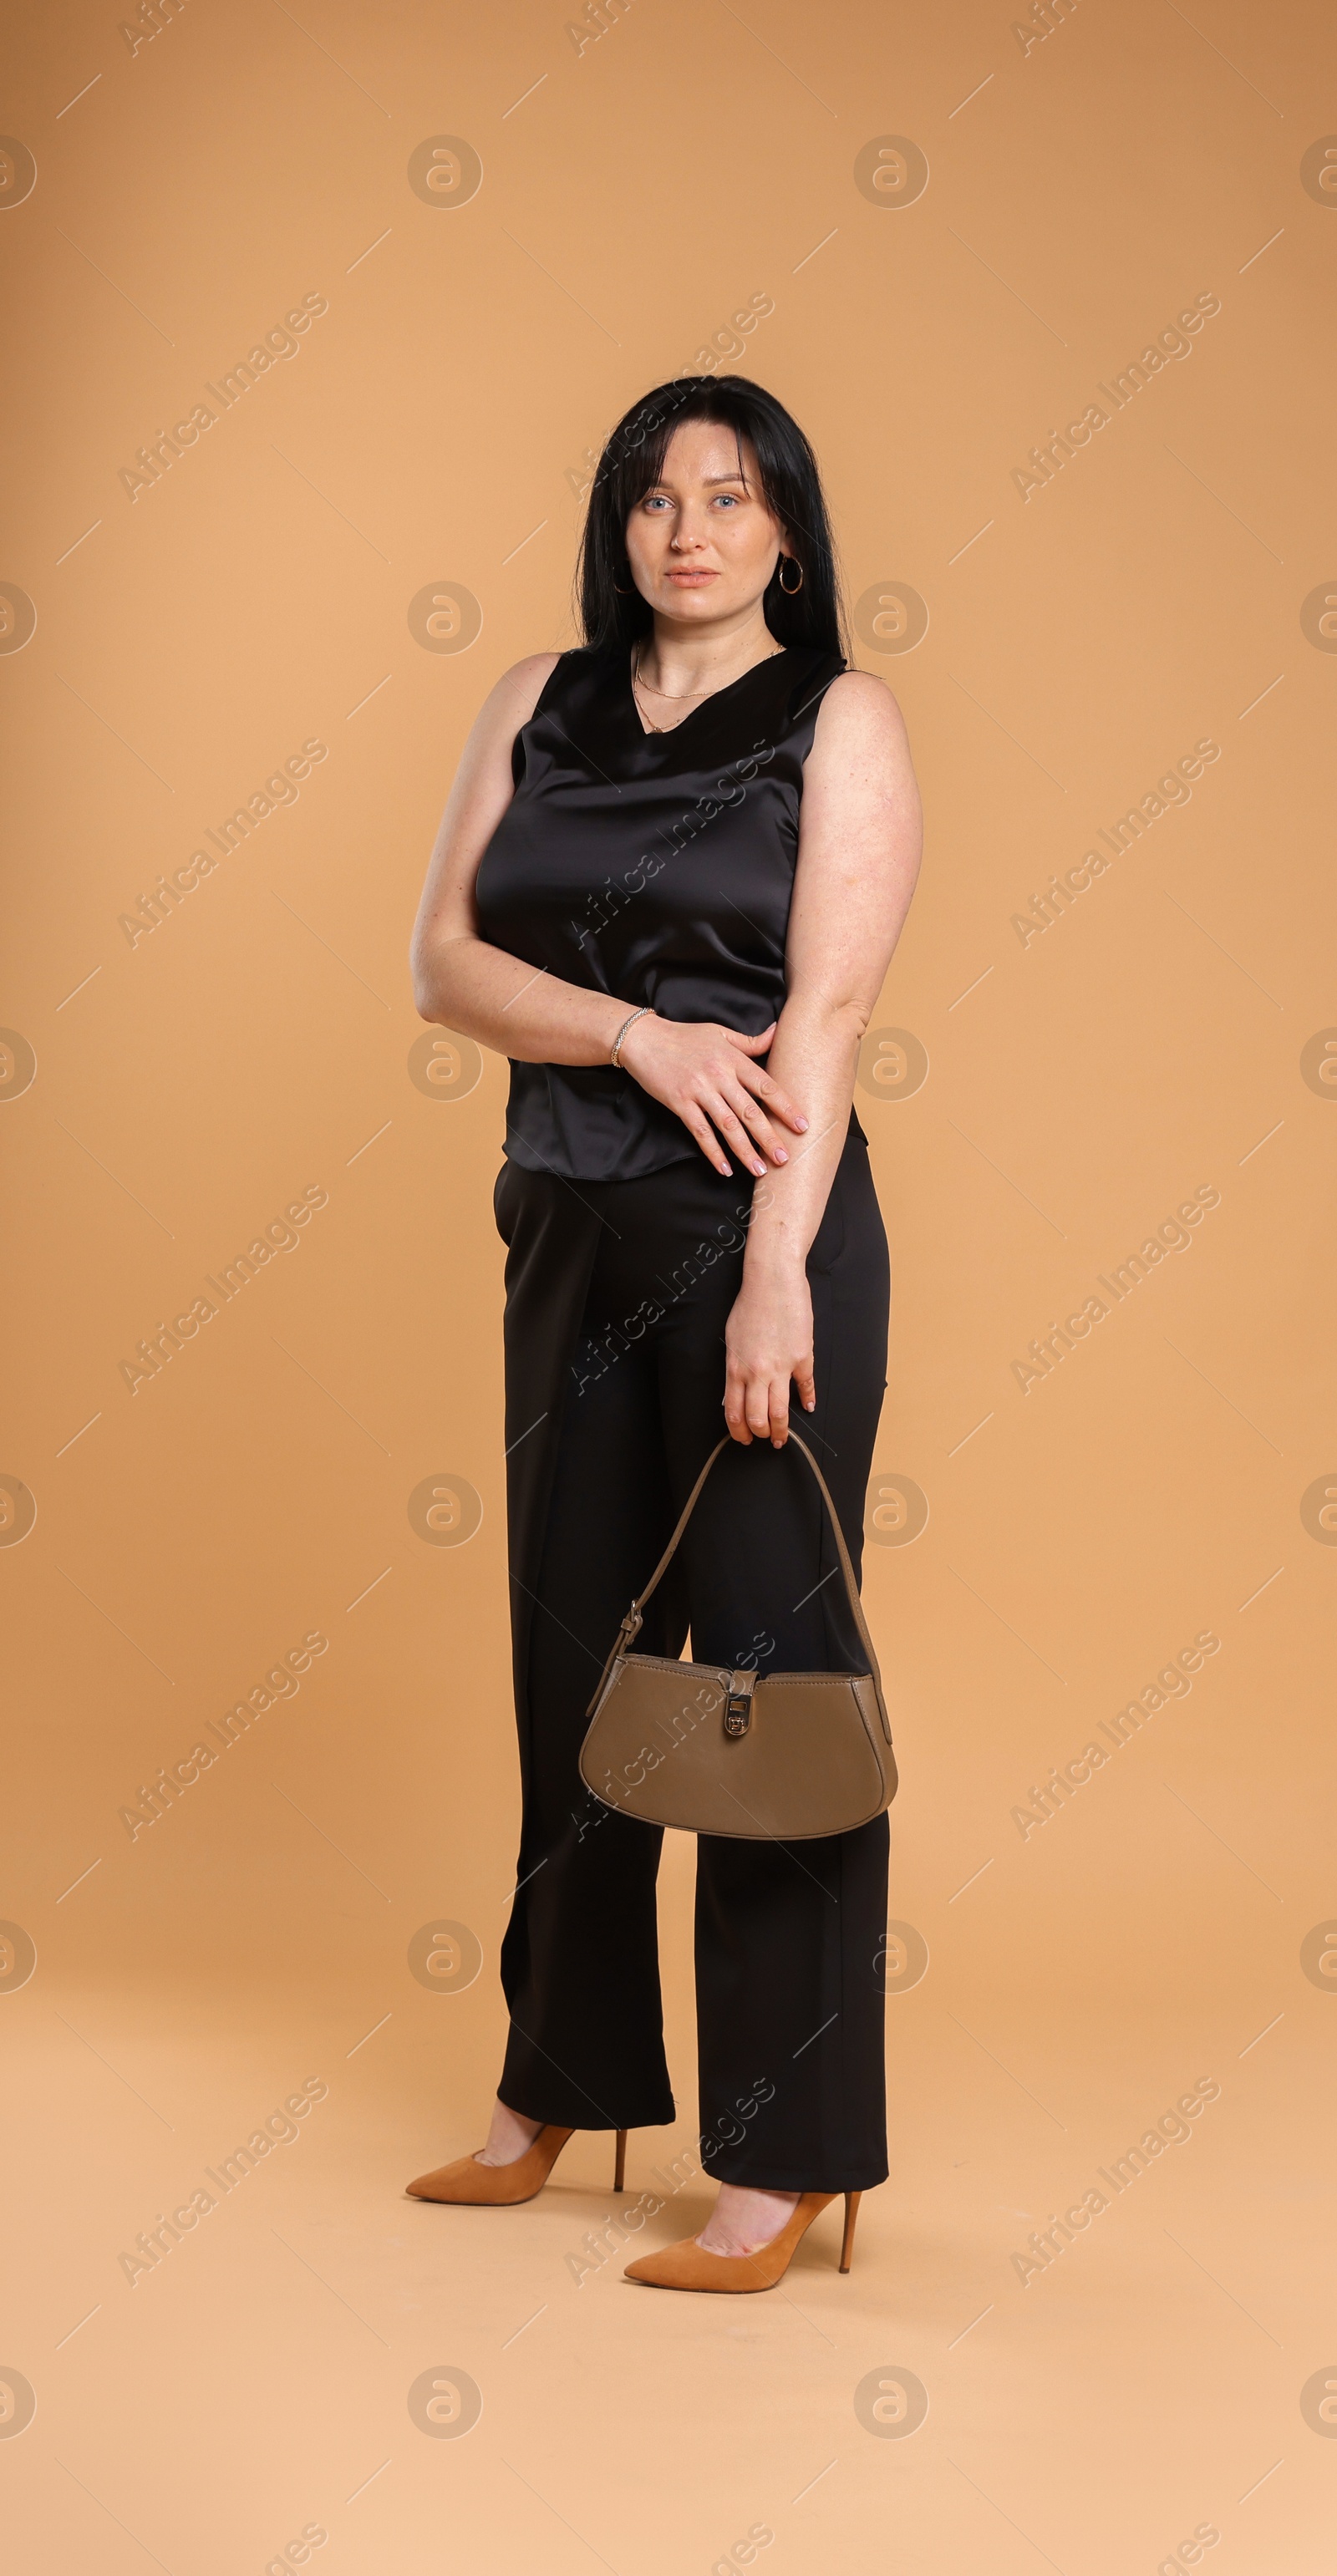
460	979
701	1071
859	848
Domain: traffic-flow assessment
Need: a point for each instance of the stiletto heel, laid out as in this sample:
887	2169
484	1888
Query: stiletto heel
620	2160
852	2200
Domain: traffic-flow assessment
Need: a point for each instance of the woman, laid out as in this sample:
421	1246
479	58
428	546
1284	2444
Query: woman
667	884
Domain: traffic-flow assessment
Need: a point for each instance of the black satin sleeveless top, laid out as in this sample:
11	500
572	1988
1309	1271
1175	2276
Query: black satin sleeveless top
655	867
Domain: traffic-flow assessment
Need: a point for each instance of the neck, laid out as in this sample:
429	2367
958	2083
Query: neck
683	659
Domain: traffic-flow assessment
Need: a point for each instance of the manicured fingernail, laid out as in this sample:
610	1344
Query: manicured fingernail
780	1154
760	1170
801	1124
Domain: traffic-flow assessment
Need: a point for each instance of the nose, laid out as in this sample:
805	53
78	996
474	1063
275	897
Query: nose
689	534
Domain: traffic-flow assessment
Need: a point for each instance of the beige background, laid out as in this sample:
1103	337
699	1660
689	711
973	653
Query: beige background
434	429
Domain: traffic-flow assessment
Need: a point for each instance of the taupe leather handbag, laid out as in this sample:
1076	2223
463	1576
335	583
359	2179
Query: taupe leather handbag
776	1756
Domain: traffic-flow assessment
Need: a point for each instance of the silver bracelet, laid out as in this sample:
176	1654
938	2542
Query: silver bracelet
645	1012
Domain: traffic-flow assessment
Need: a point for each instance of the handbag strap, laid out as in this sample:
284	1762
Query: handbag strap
632	1622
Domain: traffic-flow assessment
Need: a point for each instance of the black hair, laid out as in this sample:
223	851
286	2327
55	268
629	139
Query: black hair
612	610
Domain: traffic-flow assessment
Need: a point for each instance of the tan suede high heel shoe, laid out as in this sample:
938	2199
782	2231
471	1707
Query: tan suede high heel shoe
476	2186
687	2265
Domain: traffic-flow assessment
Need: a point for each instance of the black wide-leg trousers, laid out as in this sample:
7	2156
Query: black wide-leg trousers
617	1298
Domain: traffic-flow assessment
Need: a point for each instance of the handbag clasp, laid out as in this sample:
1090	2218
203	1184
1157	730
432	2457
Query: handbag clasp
739	1688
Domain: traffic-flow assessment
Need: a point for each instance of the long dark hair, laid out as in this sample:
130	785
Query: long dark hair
612	610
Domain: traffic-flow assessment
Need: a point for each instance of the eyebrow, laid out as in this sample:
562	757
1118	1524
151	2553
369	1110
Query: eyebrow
708	481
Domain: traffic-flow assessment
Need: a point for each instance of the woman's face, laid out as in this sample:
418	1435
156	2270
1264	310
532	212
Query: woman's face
702	542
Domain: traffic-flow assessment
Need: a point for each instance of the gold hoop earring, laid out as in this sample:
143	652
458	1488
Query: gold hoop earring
790	588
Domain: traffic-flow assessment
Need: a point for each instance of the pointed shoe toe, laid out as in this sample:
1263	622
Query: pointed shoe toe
688	2266
469	2184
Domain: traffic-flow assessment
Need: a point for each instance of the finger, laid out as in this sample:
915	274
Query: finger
751	1046
778	1411
735	1421
709	1143
757	1407
806	1384
759	1127
735	1135
776	1100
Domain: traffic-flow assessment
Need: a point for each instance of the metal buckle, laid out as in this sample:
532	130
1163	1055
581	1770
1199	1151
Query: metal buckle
738	1702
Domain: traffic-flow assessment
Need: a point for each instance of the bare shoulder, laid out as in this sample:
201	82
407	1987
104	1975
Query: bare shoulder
860	746
513	698
860	803
859	710
532	672
509	704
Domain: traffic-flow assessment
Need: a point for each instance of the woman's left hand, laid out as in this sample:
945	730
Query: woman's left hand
768	1340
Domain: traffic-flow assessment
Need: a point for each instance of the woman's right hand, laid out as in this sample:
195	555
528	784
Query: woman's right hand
705	1074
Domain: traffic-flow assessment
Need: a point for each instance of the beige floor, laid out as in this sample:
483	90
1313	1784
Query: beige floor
260	2379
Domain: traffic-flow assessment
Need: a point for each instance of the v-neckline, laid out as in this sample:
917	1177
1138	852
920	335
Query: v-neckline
657	733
